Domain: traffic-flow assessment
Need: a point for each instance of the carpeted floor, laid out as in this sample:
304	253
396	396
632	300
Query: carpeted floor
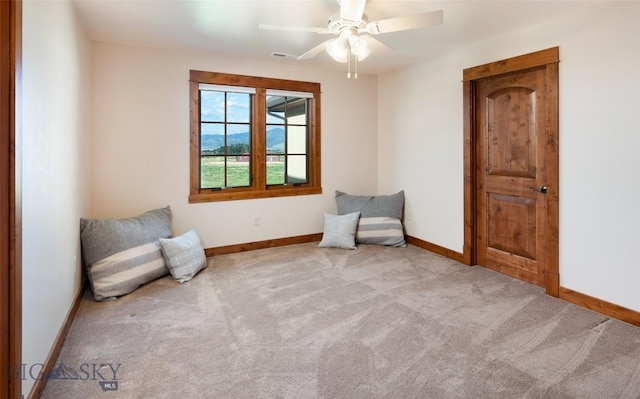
376	322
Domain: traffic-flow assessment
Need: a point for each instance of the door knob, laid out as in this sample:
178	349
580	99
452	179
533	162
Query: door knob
541	189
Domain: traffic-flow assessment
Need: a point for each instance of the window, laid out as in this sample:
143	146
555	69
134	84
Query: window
253	137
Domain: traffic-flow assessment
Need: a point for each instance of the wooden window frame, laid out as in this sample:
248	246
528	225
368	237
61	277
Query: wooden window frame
258	187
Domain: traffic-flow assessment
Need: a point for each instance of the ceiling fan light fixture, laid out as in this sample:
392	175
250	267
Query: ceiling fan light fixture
338	49
364	54
359	47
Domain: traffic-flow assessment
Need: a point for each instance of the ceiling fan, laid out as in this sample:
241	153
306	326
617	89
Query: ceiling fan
354	31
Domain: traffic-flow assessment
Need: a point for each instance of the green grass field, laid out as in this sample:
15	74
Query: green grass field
212	173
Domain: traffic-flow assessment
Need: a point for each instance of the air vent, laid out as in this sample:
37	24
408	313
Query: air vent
283	55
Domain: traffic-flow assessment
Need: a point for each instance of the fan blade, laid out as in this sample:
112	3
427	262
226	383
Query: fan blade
314	51
352	10
405	23
376	45
312	29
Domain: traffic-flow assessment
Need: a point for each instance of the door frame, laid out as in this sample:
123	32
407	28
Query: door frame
10	199
548	59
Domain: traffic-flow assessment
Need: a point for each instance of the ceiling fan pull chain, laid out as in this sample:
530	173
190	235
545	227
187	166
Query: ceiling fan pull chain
348	64
355	76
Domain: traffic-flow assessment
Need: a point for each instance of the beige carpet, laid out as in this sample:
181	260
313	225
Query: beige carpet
376	322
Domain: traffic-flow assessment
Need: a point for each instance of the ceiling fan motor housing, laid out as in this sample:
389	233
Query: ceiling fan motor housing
337	24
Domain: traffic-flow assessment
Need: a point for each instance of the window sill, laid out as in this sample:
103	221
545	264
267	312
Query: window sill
229	195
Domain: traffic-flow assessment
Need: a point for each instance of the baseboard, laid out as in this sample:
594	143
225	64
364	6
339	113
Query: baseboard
250	246
577	298
600	306
446	252
279	242
50	361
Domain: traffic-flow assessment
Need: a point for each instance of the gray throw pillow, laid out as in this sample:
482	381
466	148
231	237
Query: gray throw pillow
339	231
184	255
122	254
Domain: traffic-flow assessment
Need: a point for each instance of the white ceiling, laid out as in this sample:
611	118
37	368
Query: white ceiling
231	26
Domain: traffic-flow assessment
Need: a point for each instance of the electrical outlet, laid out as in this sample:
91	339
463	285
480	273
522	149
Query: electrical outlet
256	220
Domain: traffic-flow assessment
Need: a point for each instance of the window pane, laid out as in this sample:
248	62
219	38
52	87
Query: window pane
289	140
211	172
238	139
297	140
296	169
275	110
275	140
238	171
238	107
228	137
211	106
296	111
211	138
275	169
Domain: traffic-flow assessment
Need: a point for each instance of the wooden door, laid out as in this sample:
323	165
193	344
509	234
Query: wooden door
510	151
511	183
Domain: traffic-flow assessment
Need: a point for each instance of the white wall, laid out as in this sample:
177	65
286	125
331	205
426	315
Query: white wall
140	153
420	148
420	143
105	134
56	85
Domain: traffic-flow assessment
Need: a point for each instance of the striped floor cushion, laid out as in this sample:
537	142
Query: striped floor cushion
123	272
380	231
122	254
380	217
